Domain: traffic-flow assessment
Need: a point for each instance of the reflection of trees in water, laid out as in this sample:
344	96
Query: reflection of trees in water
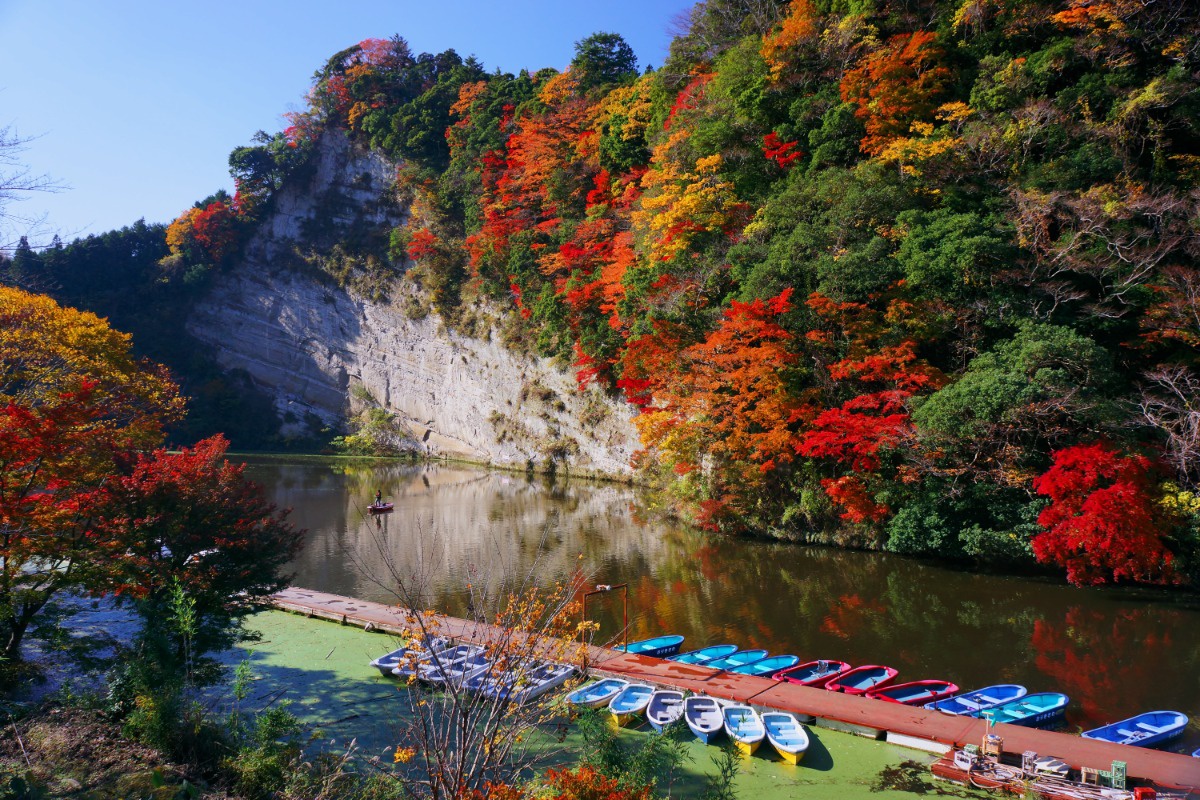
926	621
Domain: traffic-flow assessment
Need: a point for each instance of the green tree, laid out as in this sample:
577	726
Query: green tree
603	59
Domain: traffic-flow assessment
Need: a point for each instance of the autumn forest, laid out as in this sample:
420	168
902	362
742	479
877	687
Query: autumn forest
918	275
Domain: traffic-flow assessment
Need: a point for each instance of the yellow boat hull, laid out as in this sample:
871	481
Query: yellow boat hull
791	758
747	748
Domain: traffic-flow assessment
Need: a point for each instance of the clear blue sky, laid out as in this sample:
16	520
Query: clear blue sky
136	105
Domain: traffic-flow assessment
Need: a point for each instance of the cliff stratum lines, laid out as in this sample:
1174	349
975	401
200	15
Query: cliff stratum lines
908	274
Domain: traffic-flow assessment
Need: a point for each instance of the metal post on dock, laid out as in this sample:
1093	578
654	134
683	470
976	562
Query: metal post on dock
604	588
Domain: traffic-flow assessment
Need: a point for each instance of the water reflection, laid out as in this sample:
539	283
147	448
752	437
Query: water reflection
1115	653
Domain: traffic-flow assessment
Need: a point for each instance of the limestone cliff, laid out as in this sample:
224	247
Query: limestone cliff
312	344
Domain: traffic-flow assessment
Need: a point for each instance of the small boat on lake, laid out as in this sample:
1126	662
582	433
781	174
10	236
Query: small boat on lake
1144	730
915	693
706	654
596	693
861	680
413	650
455	672
812	673
658	647
380	508
745	727
665	708
1033	710
629	702
980	699
739	659
786	735
439	660
543	678
1196	754
703	716
767	666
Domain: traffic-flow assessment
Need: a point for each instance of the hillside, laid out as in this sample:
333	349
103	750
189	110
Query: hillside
908	274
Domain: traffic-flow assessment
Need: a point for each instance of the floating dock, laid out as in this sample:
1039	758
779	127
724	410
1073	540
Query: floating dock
920	728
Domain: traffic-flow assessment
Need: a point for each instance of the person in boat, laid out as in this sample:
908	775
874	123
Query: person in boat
378	497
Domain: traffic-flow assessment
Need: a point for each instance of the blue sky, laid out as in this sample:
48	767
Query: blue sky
136	105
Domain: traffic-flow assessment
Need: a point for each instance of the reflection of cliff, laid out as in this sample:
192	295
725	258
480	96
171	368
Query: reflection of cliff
456	525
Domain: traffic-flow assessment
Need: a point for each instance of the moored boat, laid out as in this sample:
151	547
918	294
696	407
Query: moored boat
414	650
786	735
861	680
767	666
706	654
1196	754
665	707
703	716
745	727
812	673
1143	730
543	678
439	659
455	672
980	699
915	693
629	702
658	647
739	659
1033	710
596	693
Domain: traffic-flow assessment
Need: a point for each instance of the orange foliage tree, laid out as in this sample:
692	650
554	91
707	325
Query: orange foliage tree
895	86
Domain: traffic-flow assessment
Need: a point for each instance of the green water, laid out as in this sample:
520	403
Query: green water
321	669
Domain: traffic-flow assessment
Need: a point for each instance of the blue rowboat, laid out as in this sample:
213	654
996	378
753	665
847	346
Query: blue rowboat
1196	754
1033	710
768	666
980	699
786	735
861	680
1144	730
414	650
914	693
597	693
665	708
703	716
738	659
745	727
658	647
814	673
706	654
629	702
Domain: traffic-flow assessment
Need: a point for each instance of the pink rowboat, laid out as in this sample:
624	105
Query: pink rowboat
915	693
813	673
861	680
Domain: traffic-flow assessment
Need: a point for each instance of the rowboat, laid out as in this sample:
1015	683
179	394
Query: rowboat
440	659
1196	754
706	654
538	681
413	650
745	727
596	693
380	508
861	680
786	735
738	659
455	672
915	693
703	716
980	699
1033	710
658	647
665	708
812	673
767	666
629	702
1143	730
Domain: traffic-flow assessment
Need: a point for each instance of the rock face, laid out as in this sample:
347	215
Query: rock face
322	353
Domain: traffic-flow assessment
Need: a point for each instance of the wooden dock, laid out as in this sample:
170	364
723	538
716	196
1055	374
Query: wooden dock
914	727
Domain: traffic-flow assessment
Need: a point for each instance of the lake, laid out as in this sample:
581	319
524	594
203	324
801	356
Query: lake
1115	652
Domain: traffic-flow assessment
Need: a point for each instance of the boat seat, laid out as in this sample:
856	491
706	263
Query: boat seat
985	699
1154	728
1132	735
968	704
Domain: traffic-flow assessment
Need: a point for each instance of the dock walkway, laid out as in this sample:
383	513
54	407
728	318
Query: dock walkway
915	727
